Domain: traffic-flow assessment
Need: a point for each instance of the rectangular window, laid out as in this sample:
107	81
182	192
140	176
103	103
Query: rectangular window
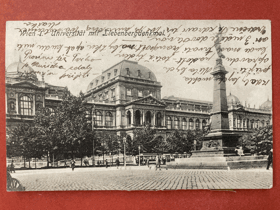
127	72
96	82
139	73
140	93
128	92
102	79
109	74
113	92
115	72
106	95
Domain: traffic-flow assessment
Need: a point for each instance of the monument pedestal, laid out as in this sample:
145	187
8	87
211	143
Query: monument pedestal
218	144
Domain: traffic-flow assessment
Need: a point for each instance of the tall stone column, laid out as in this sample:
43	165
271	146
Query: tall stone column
163	117
103	118
219	115
132	116
143	117
154	118
34	104
17	103
220	140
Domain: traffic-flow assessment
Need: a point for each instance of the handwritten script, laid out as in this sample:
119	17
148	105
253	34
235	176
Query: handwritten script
187	49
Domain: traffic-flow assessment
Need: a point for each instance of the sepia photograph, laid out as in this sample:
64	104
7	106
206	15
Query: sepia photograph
138	105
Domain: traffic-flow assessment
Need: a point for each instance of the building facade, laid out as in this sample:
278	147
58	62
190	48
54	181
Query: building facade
124	97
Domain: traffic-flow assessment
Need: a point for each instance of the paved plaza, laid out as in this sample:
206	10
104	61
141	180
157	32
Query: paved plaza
141	178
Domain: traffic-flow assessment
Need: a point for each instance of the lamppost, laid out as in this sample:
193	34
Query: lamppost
92	128
139	154
124	154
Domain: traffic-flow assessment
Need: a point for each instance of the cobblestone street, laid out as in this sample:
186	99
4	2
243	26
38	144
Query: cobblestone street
139	178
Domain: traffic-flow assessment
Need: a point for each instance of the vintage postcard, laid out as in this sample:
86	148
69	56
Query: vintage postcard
138	105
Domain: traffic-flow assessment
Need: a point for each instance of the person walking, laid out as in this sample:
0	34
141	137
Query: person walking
106	162
158	162
12	167
269	159
72	164
117	162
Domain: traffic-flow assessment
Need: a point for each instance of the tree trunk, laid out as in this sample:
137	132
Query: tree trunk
48	162
24	162
53	160
29	162
35	163
81	161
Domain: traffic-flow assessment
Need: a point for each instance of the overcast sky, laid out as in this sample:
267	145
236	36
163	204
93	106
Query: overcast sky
172	82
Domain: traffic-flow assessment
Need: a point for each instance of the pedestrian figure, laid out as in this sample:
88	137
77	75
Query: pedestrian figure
240	151
164	161
72	164
269	159
12	167
117	162
158	162
106	162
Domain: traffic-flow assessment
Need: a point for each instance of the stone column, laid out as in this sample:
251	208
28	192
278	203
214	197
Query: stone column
103	117
220	109
114	118
132	116
17	103
163	119
143	117
200	124
154	118
34	105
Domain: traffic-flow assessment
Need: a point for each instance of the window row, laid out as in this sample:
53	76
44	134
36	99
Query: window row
139	93
98	119
176	123
105	95
250	124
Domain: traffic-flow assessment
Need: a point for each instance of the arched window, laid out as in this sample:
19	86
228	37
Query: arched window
168	123
137	117
244	123
158	119
25	105
257	124
191	124
263	124
184	124
204	123
128	118
197	124
234	122
148	117
109	119
176	123
97	118
252	124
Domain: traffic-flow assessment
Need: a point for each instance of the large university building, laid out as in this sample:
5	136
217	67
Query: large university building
124	97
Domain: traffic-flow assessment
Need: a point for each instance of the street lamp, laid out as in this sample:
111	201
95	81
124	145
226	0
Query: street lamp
139	154
124	155
92	128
